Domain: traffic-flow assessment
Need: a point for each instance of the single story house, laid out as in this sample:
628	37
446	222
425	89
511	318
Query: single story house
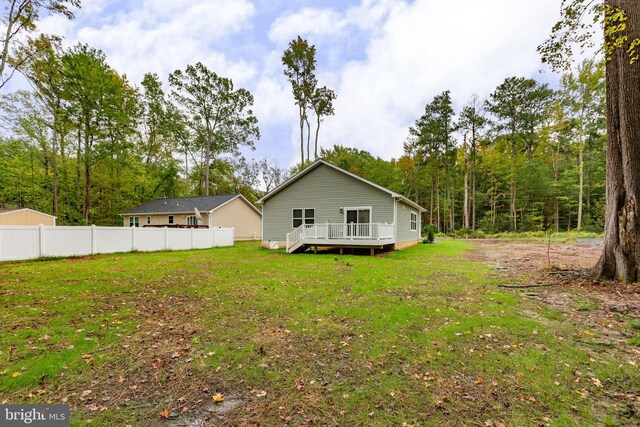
324	205
25	216
230	210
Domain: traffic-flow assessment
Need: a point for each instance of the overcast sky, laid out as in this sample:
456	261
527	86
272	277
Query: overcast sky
386	59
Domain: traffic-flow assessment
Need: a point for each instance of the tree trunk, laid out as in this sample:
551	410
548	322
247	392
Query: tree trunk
581	181
86	205
465	212
301	137
306	119
619	258
54	161
207	158
512	189
315	154
473	179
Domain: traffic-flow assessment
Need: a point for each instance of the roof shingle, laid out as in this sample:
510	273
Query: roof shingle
181	204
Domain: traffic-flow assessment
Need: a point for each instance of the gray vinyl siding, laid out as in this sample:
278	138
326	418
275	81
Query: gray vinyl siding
326	190
405	233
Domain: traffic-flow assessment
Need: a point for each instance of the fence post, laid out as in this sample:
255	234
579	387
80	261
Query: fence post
233	235
41	238
93	239
191	237
165	238
213	237
133	238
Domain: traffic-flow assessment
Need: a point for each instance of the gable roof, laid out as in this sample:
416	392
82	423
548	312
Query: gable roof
186	204
8	211
319	162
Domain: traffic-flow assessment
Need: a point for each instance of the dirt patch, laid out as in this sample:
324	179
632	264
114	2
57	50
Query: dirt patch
559	276
565	268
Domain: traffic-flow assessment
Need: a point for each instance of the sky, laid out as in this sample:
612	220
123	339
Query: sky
385	59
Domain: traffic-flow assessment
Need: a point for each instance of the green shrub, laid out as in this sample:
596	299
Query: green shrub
429	232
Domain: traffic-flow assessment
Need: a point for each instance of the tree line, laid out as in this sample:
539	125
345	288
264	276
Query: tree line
525	158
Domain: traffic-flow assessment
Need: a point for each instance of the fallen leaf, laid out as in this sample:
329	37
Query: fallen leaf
16	374
261	393
596	382
217	398
164	414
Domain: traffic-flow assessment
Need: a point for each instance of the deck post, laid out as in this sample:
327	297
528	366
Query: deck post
341	251
373	251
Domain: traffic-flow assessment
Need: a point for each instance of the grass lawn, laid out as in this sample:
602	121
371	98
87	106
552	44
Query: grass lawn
419	336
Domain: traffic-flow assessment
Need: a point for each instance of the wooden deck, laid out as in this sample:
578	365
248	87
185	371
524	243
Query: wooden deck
373	235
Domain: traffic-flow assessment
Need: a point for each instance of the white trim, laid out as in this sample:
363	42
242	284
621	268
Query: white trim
313	166
411	213
411	203
26	209
355	208
358	208
303	217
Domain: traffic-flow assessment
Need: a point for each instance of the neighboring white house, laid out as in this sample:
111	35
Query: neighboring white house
324	205
230	210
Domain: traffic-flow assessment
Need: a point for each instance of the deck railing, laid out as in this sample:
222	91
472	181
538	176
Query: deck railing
328	232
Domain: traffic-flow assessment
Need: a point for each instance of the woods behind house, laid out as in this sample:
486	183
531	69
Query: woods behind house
85	144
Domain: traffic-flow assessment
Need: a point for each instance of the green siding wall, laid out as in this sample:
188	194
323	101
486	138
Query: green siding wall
404	223
326	190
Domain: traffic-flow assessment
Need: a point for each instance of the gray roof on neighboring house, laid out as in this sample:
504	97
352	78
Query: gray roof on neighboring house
182	204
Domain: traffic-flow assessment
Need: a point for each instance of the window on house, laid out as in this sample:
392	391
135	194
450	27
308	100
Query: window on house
306	216
414	221
170	219
148	220
134	221
192	220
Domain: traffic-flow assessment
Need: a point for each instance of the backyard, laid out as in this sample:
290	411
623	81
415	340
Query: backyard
248	336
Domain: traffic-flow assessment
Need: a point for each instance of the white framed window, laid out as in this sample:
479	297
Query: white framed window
170	219
192	220
148	220
134	221
303	216
414	221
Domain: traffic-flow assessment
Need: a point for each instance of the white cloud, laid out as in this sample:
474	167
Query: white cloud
161	35
385	59
318	22
427	47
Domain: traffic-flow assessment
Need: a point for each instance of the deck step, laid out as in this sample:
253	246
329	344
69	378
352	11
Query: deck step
293	248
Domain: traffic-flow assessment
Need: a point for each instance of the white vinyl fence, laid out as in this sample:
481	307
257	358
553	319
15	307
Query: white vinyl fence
29	242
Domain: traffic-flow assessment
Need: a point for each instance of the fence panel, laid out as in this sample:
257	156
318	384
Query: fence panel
19	243
223	237
150	239
203	238
30	242
178	239
66	241
108	240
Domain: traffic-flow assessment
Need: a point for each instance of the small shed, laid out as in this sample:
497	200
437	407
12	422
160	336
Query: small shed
25	216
